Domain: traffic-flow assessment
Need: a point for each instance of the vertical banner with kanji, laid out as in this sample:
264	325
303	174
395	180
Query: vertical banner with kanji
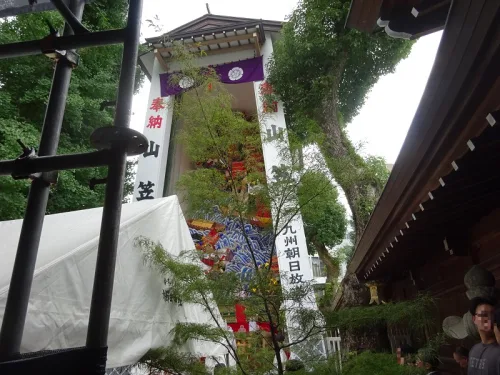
153	163
291	246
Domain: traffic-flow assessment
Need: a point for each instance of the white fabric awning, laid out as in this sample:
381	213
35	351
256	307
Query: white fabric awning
62	287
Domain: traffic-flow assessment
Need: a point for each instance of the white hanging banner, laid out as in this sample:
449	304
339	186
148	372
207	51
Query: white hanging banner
152	165
291	246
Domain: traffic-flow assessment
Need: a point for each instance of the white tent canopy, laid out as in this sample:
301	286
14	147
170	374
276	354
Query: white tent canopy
62	287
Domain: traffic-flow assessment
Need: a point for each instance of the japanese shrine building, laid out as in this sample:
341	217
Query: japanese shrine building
439	213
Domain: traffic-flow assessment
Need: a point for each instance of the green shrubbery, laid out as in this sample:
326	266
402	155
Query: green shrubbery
415	313
366	363
378	364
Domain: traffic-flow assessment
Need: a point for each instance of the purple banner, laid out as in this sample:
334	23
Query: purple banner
235	72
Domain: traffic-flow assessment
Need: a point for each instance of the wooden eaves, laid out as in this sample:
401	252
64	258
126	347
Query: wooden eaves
462	89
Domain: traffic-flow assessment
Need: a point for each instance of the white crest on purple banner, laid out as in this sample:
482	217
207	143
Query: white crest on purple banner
235	74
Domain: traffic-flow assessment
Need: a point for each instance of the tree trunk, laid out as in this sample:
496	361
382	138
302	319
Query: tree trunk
332	267
347	167
342	160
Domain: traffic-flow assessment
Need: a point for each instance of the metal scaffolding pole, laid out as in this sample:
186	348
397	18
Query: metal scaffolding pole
33	47
24	266
30	166
97	334
114	144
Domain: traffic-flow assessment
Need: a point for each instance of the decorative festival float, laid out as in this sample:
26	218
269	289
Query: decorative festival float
237	49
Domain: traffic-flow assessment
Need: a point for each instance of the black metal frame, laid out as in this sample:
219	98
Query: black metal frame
120	142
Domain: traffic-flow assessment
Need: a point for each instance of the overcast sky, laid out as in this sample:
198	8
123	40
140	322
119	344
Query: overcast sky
388	111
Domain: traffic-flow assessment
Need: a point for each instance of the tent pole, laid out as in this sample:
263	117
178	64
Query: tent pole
24	266
100	308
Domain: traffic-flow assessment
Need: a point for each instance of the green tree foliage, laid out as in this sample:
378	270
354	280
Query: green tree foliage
24	89
429	354
190	284
325	220
378	364
172	361
323	71
212	131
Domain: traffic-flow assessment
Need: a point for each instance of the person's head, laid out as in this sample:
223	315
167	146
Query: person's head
482	310
461	356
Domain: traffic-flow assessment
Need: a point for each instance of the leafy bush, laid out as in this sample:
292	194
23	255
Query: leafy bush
171	360
430	352
366	363
293	365
416	313
377	364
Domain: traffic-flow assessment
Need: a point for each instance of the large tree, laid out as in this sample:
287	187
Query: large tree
322	72
24	89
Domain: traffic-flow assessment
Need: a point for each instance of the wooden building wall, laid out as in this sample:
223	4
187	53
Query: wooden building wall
443	277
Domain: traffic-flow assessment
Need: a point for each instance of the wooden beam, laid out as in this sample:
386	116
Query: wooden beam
220	51
161	60
257	44
403	22
363	15
423	9
208	42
